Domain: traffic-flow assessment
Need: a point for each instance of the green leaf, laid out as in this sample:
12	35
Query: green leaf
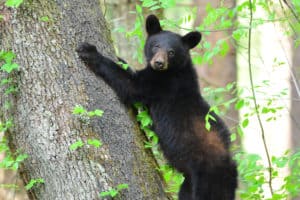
167	3
10	90
111	193
198	59
230	86
237	34
280	161
139	9
33	182
149	3
7	56
45	19
78	110
233	137
94	142
138	105
7	162
240	131
245	123
265	110
148	145
168	175
122	186
224	48
21	157
207	45
207	123
9	67
144	118
13	3
124	66
96	112
105	194
155	7
76	145
239	104
6	81
146	121
114	193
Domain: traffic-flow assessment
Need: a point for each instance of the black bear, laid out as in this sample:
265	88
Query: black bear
168	86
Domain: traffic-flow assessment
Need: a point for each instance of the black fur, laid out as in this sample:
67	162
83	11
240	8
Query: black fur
177	109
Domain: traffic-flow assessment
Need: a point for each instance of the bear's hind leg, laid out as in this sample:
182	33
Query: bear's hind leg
216	181
185	192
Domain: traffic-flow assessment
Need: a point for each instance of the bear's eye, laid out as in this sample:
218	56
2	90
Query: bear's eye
155	48
171	53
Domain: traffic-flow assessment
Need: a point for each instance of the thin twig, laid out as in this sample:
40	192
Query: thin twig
255	101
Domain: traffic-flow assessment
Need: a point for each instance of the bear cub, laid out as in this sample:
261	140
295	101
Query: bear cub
168	86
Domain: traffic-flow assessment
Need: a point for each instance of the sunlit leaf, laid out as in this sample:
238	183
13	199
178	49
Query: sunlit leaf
94	142
13	3
76	145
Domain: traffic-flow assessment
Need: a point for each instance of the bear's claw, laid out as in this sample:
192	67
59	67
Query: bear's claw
86	51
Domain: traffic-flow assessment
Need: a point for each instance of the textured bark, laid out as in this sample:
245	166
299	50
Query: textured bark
295	111
51	82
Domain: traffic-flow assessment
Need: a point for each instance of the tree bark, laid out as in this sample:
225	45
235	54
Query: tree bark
295	105
51	81
295	111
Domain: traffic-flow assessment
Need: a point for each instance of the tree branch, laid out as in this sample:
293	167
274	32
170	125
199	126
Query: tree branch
255	100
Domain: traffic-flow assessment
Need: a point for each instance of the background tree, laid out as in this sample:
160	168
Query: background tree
51	82
295	98
295	111
223	69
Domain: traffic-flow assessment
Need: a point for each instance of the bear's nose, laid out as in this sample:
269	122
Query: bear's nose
159	64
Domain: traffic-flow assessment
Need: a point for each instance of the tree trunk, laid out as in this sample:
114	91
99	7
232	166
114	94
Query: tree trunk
295	111
51	81
295	107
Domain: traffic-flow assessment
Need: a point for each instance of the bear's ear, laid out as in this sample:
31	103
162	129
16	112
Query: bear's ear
192	39
152	25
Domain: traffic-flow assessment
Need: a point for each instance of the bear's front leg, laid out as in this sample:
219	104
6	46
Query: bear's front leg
90	56
122	81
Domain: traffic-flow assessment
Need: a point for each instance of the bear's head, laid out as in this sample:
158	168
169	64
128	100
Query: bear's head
165	49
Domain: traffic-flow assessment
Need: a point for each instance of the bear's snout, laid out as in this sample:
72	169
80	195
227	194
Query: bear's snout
159	60
159	65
